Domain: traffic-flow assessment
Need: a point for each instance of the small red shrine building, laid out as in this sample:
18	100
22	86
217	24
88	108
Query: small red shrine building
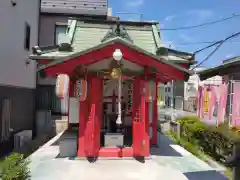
88	54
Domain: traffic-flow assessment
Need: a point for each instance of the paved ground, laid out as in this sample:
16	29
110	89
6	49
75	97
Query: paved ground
169	162
176	113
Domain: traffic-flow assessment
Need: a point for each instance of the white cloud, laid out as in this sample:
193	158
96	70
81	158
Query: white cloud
170	18
135	3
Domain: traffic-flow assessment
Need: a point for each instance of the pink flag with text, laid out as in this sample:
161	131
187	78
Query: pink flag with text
222	102
199	102
236	105
213	103
207	95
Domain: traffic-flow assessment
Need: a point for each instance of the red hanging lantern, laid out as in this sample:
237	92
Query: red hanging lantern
62	85
81	89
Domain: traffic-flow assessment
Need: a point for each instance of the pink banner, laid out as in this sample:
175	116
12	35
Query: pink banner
236	105
206	102
213	102
199	100
222	102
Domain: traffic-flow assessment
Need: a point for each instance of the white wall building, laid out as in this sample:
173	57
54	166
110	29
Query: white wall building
18	34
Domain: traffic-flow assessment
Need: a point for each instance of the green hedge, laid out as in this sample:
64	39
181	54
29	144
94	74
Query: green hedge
217	142
14	167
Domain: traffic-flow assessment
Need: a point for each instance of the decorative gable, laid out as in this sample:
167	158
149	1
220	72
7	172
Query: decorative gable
117	31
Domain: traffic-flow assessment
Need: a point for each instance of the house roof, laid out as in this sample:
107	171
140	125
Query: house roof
227	67
65	56
79	7
87	33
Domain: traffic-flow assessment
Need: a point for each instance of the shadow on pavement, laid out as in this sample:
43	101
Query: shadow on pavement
208	175
164	148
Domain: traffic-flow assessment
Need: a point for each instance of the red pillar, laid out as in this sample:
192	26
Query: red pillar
139	114
89	120
83	115
98	86
155	117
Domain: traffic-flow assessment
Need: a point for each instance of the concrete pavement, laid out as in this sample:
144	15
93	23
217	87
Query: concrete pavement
169	162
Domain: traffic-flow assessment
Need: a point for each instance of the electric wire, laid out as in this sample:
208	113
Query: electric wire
200	25
200	42
219	44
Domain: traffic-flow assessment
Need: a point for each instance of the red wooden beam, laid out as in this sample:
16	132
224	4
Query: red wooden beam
67	67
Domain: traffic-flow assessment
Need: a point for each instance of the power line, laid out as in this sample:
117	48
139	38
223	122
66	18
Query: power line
201	42
211	45
220	43
200	25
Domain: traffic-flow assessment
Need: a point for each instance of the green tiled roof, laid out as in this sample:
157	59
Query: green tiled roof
88	35
144	39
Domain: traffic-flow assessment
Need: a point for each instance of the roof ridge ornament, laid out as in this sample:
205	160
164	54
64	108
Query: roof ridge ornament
117	30
65	47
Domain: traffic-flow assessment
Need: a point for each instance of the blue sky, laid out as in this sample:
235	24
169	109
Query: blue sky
175	13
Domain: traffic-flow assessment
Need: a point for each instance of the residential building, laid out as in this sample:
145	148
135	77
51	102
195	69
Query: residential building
55	22
19	33
174	90
56	13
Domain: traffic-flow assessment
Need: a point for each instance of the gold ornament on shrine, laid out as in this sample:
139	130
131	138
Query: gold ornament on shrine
116	73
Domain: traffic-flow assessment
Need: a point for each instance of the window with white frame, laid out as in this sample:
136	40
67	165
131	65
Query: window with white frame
60	31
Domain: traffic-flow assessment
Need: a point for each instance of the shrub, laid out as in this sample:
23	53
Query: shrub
214	141
14	167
